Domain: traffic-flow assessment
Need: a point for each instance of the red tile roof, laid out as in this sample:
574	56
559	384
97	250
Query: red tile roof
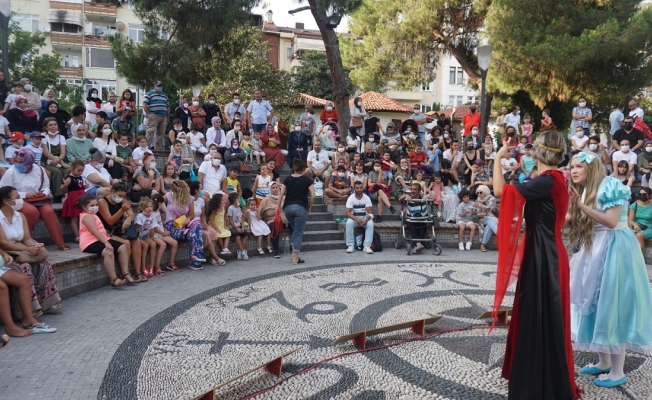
306	99
460	112
375	101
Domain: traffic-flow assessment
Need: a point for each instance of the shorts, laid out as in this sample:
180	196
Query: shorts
98	247
388	174
145	237
468	224
372	196
235	233
248	151
93	191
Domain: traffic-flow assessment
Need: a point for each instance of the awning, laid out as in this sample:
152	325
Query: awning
73	17
310	44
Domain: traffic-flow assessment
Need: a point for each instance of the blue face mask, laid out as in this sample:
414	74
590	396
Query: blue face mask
20	168
201	193
158	89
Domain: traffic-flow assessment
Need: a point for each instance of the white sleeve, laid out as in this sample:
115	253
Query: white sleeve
349	201
204	167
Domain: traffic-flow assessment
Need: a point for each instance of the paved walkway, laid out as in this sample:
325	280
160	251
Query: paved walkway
71	363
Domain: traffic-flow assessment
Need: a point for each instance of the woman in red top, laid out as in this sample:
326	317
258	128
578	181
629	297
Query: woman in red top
329	113
127	99
272	145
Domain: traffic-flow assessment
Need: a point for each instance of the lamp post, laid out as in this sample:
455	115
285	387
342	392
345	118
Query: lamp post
484	56
5	14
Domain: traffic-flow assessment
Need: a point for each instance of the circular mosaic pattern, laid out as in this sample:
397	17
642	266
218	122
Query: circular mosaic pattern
210	338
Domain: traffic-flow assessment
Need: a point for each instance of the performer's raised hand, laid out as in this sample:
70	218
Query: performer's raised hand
574	195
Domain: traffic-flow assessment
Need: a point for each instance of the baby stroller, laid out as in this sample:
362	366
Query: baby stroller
334	130
414	127
419	211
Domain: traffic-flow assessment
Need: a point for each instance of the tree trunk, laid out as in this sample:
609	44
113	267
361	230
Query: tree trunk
340	91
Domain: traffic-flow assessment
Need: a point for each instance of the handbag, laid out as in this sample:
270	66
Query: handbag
41	198
24	256
193	176
319	188
278	225
131	233
178	221
356	122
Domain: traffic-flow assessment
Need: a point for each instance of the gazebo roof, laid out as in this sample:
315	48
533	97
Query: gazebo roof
375	101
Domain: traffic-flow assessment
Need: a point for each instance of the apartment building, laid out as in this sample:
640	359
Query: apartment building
79	32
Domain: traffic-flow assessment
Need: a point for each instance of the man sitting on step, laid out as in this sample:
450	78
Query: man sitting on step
359	214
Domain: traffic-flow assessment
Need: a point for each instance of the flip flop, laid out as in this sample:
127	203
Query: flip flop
4	340
41	328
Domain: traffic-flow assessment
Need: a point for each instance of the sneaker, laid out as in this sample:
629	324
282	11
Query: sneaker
461	246
195	267
245	256
417	249
277	254
349	249
225	251
378	218
392	209
468	245
239	255
198	259
367	250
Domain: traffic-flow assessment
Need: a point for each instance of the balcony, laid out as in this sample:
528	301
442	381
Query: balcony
96	41
64	5
66	39
71	72
100	9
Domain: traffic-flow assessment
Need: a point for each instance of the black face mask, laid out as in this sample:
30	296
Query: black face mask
628	126
643	197
472	110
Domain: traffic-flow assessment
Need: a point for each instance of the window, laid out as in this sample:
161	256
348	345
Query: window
288	53
103	31
460	100
460	75
70	60
470	99
99	58
451	101
136	33
131	5
139	95
426	86
451	76
64	28
74	83
103	87
456	76
425	109
163	34
27	22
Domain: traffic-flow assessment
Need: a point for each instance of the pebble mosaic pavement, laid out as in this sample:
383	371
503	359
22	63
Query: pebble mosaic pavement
206	339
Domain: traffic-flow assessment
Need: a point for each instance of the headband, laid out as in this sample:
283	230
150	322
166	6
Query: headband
548	148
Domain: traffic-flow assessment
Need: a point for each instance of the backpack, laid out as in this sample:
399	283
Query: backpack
642	126
376	244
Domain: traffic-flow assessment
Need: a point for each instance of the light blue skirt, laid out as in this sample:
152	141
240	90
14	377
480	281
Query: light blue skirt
622	317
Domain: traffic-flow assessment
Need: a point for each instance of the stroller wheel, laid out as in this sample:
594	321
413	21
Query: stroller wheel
397	244
408	248
436	249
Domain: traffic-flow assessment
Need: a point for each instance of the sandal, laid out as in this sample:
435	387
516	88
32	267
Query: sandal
270	249
63	247
221	262
40	328
261	252
172	267
128	278
117	282
141	278
54	309
4	340
157	271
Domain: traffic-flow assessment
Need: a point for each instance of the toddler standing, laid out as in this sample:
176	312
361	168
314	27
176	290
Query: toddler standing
235	218
145	223
261	184
74	186
258	227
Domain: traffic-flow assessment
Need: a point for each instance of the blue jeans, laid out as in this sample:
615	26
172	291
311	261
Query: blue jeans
422	139
368	232
491	226
297	216
434	158
259	127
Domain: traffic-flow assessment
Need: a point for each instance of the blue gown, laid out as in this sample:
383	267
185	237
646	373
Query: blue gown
611	300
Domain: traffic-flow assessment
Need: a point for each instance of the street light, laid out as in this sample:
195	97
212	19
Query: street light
5	14
484	56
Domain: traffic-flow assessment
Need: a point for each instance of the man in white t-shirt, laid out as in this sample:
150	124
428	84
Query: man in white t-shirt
513	118
360	215
454	155
211	174
624	154
319	164
635	110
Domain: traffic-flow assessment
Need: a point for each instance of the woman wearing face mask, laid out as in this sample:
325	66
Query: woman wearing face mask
511	141
235	133
357	115
105	142
341	154
183	113
54	155
352	141
31	181
267	212
52	110
327	141
98	178
212	110
234	155
329	113
470	155
197	113
297	146
22	118
644	160
215	134
94	239
93	105
148	179
48	96
78	147
271	145
116	216
640	216
31	256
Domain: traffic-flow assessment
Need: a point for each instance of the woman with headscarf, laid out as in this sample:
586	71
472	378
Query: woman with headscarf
48	96
297	145
183	114
93	105
22	118
272	145
357	115
54	154
234	155
52	110
215	134
78	147
267	212
31	181
327	141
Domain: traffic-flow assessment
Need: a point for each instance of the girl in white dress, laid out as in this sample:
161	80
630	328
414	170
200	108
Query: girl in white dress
258	227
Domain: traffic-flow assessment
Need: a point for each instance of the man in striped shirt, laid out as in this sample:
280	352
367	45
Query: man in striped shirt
157	109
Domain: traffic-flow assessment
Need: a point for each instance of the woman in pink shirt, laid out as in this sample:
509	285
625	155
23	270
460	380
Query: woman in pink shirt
94	239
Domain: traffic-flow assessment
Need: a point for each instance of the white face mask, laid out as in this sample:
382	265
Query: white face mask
340	174
236	101
18	205
297	128
27	87
594	147
624	149
195	103
53	133
143	146
235	146
340	149
152	165
93	209
81	139
216	162
211	101
412	135
177	128
377	168
446	135
579	134
106	132
236	129
117	199
474	132
185	105
94	95
648	149
582	104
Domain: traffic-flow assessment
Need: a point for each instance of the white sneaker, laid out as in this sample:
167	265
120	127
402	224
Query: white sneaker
368	250
461	246
468	245
349	249
245	256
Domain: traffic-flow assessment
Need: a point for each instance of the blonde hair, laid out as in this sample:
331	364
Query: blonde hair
144	202
581	226
549	148
180	192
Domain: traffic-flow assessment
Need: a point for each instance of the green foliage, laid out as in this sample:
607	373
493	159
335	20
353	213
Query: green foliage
557	49
71	95
25	61
314	77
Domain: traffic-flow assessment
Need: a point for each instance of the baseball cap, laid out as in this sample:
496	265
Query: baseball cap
36	134
15	136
